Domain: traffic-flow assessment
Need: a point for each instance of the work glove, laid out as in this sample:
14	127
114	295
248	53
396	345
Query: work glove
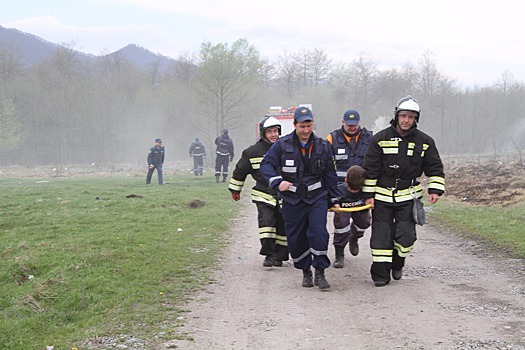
236	196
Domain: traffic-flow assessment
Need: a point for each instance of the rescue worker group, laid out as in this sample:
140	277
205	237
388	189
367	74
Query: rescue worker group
365	179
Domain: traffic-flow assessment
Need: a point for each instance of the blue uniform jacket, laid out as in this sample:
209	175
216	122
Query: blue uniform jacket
156	155
313	176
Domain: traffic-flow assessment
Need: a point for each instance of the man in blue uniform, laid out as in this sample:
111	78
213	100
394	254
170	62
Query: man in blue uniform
198	152
155	161
396	158
300	165
349	145
224	154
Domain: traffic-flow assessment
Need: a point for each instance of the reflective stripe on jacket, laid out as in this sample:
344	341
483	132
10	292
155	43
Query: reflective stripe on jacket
394	163
344	156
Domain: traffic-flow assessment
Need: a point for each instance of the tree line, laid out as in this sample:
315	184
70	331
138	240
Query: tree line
66	110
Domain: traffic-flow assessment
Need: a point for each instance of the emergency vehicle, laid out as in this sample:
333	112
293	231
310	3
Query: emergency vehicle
285	116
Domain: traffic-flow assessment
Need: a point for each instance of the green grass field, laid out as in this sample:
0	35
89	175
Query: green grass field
495	226
79	259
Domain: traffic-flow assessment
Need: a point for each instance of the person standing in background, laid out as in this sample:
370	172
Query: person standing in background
224	156
155	161
198	152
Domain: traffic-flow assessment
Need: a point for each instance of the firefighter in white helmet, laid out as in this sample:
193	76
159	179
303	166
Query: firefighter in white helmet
271	226
396	158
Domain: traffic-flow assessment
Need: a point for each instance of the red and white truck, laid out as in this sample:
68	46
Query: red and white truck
285	116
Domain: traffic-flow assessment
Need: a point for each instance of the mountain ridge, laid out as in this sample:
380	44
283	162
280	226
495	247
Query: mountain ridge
33	50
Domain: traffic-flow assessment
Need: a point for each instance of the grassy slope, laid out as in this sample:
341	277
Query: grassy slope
495	226
74	266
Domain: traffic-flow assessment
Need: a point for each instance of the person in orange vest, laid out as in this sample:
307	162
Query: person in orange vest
349	145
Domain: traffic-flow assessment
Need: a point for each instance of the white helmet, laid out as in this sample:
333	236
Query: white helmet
268	122
408	103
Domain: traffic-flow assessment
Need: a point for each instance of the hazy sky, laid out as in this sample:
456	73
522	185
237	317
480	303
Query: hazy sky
473	42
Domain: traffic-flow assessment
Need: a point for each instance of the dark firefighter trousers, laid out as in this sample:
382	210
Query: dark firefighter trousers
198	165
305	227
271	232
222	162
393	237
157	166
350	226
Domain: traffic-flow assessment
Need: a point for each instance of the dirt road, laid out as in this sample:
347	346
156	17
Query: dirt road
453	295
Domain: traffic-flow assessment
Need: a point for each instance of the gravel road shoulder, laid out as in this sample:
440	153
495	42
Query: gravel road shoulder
454	295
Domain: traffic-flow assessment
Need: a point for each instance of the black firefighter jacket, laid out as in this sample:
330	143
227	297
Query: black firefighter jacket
249	164
394	162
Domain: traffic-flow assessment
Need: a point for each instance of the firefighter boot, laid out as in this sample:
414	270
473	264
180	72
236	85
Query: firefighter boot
268	261
320	280
217	178
307	278
224	178
339	256
353	246
397	273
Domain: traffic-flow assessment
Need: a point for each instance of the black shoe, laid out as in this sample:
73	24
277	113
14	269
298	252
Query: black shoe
307	279
397	274
320	279
268	261
277	263
339	257
353	246
339	262
380	283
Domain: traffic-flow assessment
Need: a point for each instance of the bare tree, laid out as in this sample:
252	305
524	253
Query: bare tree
505	82
320	66
429	76
364	70
185	67
10	122
288	72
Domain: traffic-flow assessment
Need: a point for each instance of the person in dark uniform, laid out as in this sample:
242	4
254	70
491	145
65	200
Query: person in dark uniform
396	158
349	145
224	155
271	226
198	152
155	161
301	166
351	191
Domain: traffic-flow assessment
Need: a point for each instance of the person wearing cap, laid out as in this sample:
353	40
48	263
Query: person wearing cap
155	161
224	155
300	166
271	226
198	152
396	157
349	145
